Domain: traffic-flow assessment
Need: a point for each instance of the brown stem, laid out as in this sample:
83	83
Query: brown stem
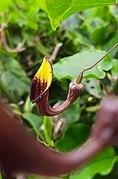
55	52
3	41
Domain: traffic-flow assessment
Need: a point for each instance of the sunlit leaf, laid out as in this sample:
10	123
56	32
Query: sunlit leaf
61	9
102	164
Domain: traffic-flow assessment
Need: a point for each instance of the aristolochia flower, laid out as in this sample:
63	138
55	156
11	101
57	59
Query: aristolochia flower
39	91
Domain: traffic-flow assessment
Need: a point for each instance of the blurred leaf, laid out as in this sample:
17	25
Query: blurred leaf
111	43
82	40
97	30
14	67
114	11
100	26
48	130
28	105
93	108
43	177
93	87
72	113
13	86
15	108
74	136
34	120
25	13
83	5
4	5
114	69
102	164
14	81
115	89
69	67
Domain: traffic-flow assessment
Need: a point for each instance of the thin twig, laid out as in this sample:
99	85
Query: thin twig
55	52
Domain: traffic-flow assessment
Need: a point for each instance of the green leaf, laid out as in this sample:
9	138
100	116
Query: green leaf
69	67
80	5
13	86
56	10
48	130
74	136
93	87
114	69
14	67
97	30
24	13
14	81
61	9
102	164
34	120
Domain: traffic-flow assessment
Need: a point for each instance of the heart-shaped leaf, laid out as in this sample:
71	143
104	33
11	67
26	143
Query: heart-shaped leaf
69	67
60	9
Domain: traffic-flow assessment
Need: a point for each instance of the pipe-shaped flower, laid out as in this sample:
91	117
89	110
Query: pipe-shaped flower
41	81
39	91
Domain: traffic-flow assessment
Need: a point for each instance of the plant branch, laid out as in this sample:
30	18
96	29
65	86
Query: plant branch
55	52
4	44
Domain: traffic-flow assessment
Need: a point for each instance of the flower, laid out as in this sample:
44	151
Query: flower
39	91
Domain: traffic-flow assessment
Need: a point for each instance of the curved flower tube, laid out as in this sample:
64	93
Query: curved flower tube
39	91
21	153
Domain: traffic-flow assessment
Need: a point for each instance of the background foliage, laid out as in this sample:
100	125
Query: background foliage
85	36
